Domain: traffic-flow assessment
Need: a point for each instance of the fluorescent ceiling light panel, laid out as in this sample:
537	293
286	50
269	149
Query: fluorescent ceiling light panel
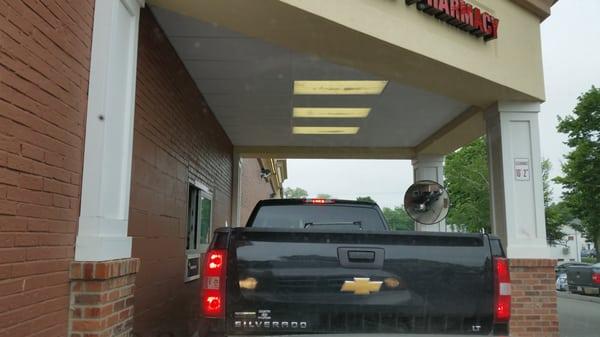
339	87
325	130
331	112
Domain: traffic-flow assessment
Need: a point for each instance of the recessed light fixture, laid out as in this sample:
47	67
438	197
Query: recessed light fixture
339	87
331	112
325	130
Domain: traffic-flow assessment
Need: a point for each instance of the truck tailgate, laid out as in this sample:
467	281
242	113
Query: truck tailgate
579	275
323	281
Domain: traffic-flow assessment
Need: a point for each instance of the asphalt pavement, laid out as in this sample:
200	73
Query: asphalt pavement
579	316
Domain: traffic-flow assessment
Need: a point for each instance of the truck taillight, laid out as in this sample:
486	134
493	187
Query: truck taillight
214	283
502	294
596	278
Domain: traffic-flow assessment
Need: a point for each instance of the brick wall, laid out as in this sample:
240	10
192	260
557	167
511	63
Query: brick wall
254	188
534	312
102	298
44	67
176	138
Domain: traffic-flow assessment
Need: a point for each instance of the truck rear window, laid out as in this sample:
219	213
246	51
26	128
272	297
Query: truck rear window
318	217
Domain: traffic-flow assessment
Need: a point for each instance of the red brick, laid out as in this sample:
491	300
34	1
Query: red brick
5	272
8	287
84	325
34	197
32	152
7	176
97	312
39	267
54	159
8	255
75	270
8	207
46	253
60	201
7	240
26	239
45	280
9	223
87	299
88	270
30	182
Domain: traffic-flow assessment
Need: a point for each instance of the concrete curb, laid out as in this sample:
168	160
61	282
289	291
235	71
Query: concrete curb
565	294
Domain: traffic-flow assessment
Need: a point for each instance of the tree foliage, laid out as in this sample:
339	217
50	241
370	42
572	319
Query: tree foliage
295	193
581	170
397	219
557	214
467	182
324	196
366	199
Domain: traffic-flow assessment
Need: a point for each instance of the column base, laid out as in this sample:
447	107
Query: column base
533	309
101	302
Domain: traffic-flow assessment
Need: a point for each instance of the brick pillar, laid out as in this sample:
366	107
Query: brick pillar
534	311
101	303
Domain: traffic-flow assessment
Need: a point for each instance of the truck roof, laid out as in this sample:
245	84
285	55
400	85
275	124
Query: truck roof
309	201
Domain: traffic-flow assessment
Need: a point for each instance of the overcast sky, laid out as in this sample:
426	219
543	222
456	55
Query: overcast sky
571	52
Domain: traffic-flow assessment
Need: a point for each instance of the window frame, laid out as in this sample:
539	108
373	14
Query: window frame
203	192
194	254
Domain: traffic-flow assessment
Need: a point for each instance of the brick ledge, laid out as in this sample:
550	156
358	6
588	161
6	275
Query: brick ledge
103	270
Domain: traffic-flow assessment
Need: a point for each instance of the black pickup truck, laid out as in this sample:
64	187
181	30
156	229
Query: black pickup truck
584	279
333	266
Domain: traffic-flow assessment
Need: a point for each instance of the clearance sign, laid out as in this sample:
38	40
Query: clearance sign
462	15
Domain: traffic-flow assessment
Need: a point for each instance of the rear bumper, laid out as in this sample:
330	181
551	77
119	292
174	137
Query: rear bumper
356	335
217	328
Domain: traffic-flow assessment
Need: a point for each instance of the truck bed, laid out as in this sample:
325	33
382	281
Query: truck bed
416	282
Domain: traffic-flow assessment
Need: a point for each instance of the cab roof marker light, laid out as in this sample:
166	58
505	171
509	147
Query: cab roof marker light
319	201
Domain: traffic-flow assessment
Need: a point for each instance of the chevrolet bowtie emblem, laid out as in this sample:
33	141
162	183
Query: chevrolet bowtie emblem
361	286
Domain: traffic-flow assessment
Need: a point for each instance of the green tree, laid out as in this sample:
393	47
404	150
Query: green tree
323	196
365	199
466	173
581	170
295	193
397	219
557	214
467	181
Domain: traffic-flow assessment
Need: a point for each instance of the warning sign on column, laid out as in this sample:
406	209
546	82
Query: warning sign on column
522	169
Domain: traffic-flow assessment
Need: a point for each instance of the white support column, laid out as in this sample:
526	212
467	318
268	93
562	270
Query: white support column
103	220
429	167
236	195
516	178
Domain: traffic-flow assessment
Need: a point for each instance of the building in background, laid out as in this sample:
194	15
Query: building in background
261	179
572	246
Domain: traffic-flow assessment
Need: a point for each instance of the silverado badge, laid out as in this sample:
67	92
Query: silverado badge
361	286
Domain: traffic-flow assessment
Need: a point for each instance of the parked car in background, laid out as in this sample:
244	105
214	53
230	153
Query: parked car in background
587	253
562	267
584	279
561	282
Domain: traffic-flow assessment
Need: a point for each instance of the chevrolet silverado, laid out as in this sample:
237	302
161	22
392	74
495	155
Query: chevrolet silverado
333	266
